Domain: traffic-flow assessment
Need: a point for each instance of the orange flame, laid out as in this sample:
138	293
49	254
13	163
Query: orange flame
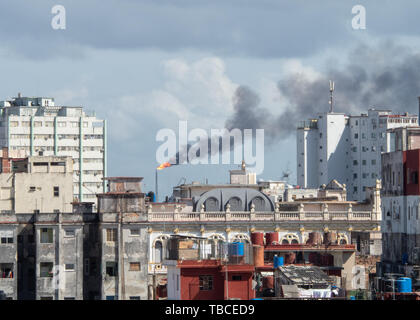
163	166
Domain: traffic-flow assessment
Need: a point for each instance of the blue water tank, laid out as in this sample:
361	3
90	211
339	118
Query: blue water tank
278	261
404	284
236	249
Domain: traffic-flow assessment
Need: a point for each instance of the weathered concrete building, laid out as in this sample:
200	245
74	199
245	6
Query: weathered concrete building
8	257
36	184
124	237
401	204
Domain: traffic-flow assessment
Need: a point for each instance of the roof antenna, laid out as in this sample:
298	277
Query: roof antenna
331	95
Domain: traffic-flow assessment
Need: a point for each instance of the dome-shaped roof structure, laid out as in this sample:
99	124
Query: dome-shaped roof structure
239	199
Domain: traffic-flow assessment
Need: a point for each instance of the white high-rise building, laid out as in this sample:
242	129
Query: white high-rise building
36	126
346	148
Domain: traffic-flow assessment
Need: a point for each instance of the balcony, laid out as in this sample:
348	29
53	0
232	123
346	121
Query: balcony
261	216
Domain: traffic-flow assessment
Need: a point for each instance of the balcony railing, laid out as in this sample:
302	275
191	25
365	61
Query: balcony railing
262	216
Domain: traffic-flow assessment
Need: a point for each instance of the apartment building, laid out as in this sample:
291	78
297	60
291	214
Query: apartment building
36	126
346	148
401	203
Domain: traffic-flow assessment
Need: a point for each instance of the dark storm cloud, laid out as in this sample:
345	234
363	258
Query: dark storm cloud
384	76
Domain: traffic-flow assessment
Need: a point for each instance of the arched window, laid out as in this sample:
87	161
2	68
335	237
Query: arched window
290	238
158	251
342	239
235	204
259	203
241	238
212	204
158	248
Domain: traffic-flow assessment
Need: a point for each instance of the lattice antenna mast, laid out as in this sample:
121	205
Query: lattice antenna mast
331	95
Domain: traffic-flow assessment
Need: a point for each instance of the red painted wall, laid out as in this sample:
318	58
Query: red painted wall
412	164
241	289
190	284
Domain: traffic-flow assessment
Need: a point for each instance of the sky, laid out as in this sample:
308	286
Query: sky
146	65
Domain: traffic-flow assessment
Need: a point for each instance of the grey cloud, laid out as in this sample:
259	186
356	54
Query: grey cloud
265	28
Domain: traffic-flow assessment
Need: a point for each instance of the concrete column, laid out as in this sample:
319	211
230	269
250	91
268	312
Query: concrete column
301	211
350	212
325	211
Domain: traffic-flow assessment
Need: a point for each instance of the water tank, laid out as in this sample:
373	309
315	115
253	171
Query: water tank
236	249
152	196
258	256
271	237
278	261
314	238
330	237
403	284
257	238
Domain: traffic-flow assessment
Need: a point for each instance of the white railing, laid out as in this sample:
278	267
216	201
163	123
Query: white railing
261	216
362	215
314	215
339	215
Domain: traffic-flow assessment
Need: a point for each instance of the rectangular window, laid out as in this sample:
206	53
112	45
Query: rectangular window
112	269
6	270
69	298
206	283
356	135
134	232
134	266
46	235
363	162
373	162
5	240
134	298
56	191
69	232
46	269
111	235
236	278
69	267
